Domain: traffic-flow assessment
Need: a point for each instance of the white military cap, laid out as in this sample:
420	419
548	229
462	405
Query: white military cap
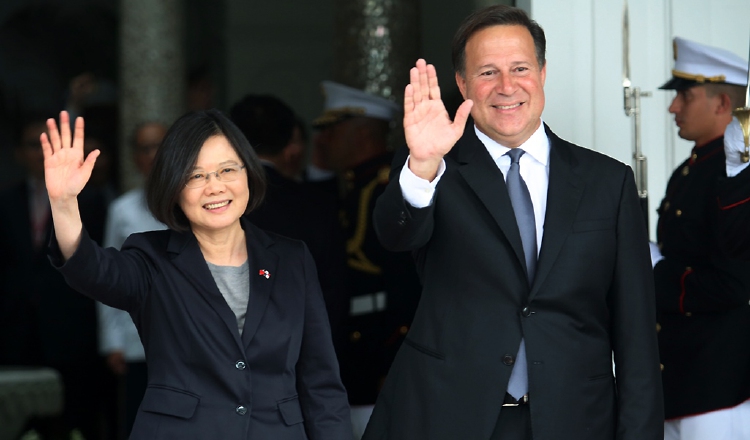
342	101
696	63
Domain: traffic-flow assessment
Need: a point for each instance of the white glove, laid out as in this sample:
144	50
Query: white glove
734	144
656	255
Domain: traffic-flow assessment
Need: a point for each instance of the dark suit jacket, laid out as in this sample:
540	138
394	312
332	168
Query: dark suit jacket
278	381
42	320
298	211
592	296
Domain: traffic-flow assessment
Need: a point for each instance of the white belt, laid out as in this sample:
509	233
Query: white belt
368	303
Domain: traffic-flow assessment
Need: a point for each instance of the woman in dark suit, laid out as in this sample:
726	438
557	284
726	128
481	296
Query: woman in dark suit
231	317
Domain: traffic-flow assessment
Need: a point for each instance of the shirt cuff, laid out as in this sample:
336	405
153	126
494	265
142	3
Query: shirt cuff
734	169
418	192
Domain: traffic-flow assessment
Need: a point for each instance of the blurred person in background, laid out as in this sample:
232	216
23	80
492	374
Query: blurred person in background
118	339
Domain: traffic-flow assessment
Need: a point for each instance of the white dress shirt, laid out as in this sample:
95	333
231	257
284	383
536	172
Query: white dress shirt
127	214
534	169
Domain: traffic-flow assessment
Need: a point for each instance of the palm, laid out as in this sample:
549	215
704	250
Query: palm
429	131
65	171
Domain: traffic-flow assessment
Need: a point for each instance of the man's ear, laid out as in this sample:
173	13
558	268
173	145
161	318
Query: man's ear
461	83
725	104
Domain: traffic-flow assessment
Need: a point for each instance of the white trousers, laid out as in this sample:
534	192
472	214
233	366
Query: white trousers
360	416
726	424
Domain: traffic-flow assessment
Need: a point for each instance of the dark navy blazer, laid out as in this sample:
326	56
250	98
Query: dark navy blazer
279	380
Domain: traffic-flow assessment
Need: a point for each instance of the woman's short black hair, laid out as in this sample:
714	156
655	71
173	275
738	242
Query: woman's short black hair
177	156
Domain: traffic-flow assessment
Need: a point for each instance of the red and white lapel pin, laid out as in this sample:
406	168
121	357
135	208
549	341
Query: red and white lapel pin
264	273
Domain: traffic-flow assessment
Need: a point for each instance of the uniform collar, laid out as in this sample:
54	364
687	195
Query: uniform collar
703	152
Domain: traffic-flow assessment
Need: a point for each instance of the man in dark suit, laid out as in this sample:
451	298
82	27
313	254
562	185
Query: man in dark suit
523	310
292	208
702	295
43	322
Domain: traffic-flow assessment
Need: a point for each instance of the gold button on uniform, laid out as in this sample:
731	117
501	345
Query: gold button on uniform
688	314
678	213
685	170
355	336
694	156
666	206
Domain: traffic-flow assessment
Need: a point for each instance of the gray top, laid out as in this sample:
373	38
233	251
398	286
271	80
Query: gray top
234	284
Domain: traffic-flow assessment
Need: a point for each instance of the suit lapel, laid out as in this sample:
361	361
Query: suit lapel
486	180
261	261
189	260
563	196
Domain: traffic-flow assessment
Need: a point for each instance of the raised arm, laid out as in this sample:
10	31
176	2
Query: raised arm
65	174
430	133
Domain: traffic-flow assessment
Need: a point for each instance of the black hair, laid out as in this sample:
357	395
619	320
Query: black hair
177	156
497	15
266	121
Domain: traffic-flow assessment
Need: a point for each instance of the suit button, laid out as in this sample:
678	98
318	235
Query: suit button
240	365
685	170
678	213
241	410
526	312
508	359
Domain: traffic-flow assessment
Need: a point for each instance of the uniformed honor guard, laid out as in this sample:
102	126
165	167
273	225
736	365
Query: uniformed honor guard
702	294
353	142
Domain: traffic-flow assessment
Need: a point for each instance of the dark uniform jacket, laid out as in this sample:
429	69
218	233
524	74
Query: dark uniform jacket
734	215
592	297
279	380
702	294
383	285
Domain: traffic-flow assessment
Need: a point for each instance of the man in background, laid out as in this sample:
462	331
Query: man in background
118	338
383	285
290	207
43	322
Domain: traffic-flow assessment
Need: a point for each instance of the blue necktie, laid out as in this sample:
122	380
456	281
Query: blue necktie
524	211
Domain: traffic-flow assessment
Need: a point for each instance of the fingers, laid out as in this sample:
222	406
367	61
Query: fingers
463	112
91	160
408	103
65	129
53	134
423	79
414	83
432	82
78	134
46	147
424	85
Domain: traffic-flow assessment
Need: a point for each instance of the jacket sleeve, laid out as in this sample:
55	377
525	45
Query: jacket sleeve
321	393
398	225
634	342
117	279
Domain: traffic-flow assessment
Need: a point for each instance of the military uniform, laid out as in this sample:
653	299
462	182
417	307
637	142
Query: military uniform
384	286
734	199
702	294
